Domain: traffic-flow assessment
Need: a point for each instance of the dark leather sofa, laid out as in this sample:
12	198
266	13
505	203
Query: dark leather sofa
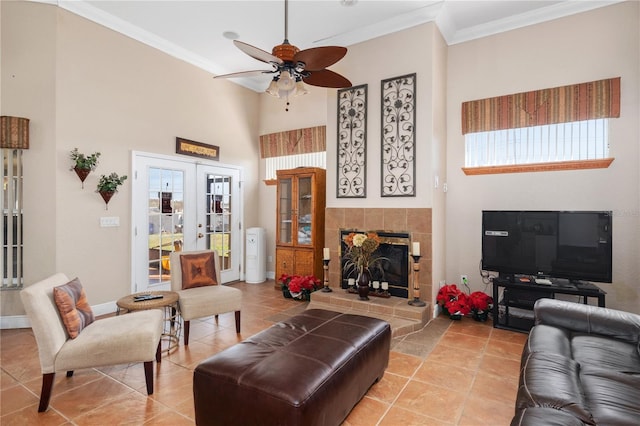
580	366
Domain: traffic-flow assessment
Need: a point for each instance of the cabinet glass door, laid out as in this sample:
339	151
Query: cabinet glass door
285	222
304	211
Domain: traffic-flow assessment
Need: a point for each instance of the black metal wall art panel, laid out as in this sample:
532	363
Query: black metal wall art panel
398	134
352	142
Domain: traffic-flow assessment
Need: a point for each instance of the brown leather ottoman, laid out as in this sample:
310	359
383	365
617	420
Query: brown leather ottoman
308	370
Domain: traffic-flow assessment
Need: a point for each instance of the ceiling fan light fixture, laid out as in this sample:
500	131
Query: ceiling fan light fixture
286	81
273	88
300	88
292	68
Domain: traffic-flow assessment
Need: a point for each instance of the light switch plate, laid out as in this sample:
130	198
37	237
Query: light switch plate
108	222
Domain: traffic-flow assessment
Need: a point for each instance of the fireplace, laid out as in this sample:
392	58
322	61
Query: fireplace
393	268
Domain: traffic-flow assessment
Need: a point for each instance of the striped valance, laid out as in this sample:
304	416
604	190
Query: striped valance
291	142
577	102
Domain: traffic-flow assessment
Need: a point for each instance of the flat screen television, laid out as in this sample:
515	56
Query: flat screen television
574	245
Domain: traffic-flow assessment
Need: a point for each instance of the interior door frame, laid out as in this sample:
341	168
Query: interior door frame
190	162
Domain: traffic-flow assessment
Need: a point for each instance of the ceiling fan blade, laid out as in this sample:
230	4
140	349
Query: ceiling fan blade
318	58
327	78
244	74
256	53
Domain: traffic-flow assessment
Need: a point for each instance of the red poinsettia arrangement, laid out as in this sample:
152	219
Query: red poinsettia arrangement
480	302
454	300
299	286
457	302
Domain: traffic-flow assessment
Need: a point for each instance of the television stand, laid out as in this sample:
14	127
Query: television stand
515	310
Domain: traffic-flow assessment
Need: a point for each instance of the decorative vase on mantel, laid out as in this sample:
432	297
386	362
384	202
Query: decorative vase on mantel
363	283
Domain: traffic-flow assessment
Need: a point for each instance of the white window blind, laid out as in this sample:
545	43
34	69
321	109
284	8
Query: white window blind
312	159
579	140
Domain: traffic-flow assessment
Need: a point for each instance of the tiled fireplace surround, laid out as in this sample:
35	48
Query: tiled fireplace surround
415	221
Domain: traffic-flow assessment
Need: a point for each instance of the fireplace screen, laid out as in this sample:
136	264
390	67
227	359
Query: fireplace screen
393	266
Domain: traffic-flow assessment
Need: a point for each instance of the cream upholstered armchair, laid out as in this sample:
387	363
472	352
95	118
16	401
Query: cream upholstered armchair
195	276
122	339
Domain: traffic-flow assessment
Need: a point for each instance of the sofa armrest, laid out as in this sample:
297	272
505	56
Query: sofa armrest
582	318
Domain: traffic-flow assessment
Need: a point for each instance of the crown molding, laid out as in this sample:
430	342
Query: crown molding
94	14
397	23
533	17
437	12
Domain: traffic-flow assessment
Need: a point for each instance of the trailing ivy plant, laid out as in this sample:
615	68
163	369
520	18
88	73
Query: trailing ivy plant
110	183
84	162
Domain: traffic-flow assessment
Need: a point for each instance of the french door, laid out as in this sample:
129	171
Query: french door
182	205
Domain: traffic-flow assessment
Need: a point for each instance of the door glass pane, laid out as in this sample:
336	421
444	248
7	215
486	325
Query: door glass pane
12	223
165	214
286	211
304	210
218	229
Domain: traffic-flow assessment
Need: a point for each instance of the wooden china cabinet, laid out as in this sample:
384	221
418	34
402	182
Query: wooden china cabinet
300	221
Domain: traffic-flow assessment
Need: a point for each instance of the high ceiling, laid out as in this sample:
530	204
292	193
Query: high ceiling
198	31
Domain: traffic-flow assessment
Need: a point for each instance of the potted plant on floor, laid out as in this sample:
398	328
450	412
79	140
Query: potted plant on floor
454	302
83	164
298	287
481	303
108	185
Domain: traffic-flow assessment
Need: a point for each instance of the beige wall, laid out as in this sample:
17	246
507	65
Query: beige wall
28	90
85	86
406	52
369	63
438	160
590	46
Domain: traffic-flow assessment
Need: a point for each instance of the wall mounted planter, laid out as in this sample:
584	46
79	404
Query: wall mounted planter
83	164
107	186
82	174
106	196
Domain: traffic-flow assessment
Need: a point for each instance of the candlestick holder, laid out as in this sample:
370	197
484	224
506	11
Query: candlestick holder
325	267
416	284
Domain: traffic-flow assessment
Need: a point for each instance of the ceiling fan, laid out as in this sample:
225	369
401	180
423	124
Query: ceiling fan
292	66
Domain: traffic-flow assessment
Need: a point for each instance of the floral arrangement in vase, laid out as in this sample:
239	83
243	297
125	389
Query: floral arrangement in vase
456	303
360	249
298	287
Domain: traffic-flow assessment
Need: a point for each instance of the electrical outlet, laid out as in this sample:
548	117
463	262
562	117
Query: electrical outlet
464	280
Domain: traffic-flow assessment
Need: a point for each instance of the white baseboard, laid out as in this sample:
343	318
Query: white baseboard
14	321
22	321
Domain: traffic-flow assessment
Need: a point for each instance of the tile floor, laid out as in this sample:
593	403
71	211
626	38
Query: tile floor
448	373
